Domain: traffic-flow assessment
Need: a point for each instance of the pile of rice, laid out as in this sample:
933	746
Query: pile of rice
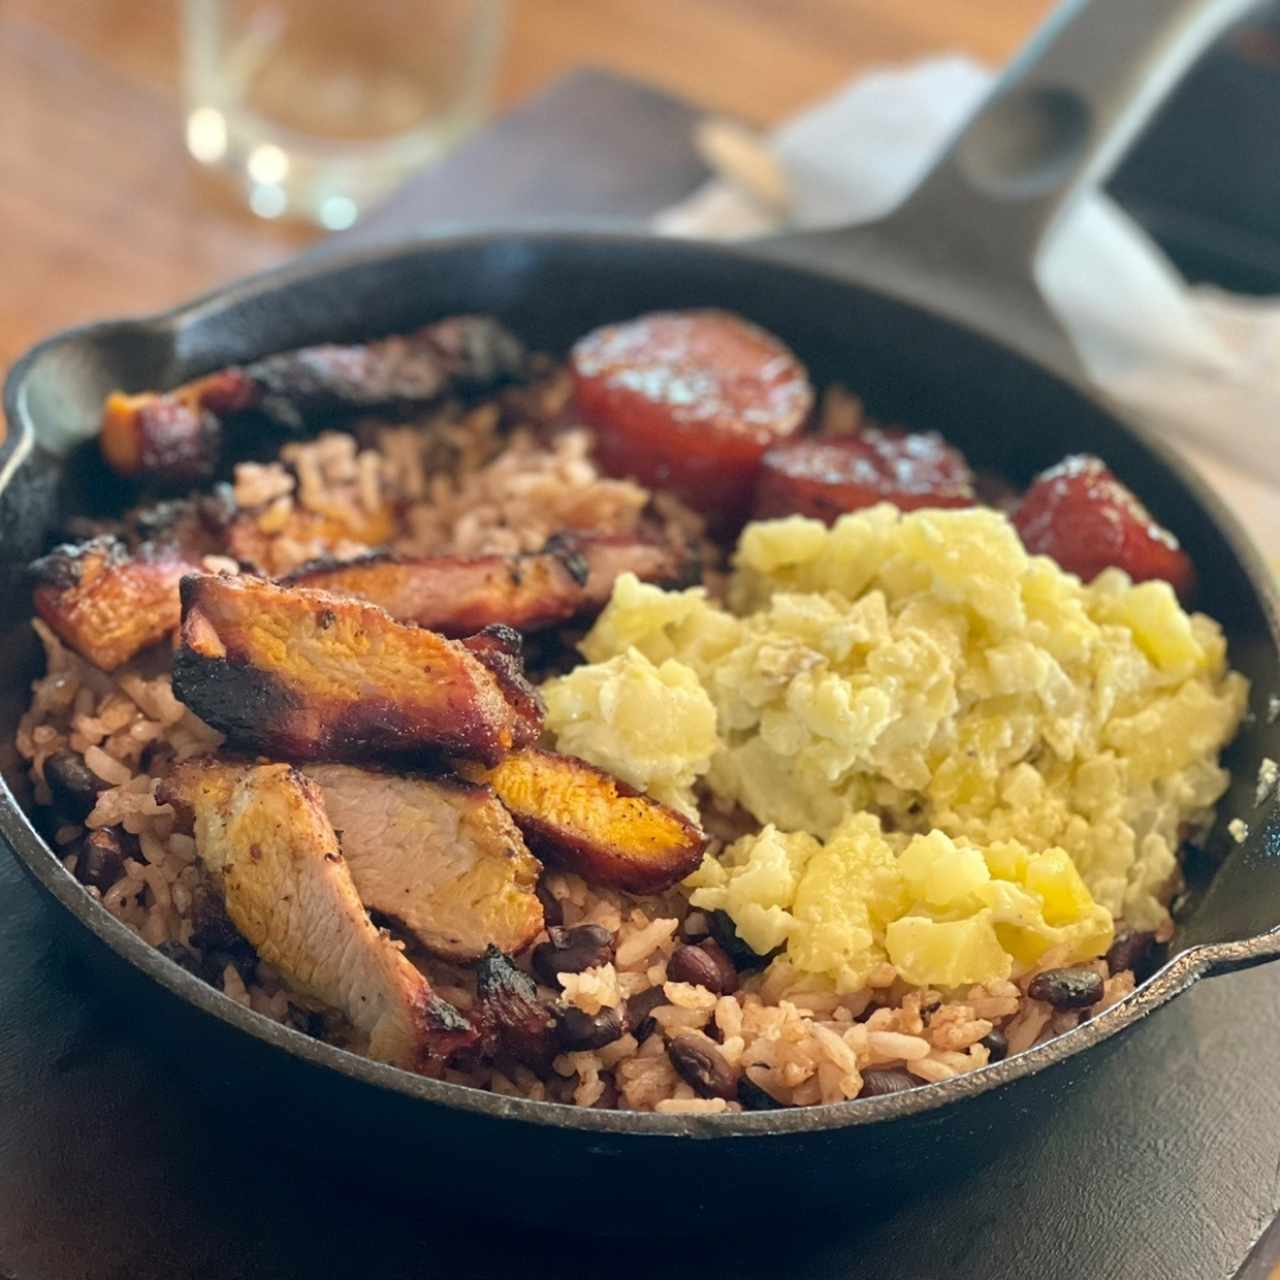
472	482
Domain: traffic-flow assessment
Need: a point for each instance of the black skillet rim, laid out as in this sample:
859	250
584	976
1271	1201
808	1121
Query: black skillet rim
40	861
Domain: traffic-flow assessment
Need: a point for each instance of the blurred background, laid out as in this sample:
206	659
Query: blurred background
301	113
100	194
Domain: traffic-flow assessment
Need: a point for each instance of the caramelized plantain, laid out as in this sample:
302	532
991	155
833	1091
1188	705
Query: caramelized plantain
587	820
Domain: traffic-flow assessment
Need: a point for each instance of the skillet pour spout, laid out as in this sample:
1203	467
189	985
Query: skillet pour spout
936	310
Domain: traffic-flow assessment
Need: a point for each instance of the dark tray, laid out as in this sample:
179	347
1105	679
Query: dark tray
1166	1165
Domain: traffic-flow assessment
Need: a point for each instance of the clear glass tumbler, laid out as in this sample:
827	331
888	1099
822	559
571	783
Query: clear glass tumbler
319	107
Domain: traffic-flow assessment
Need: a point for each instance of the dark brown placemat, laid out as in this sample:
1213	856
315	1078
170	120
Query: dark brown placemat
1166	1165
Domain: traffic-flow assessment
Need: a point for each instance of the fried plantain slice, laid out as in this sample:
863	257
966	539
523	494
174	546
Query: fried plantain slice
440	857
311	676
262	832
572	577
584	819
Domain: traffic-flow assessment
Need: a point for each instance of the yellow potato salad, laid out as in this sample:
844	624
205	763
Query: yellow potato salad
960	755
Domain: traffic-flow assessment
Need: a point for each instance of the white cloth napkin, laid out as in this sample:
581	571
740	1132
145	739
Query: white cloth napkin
1201	365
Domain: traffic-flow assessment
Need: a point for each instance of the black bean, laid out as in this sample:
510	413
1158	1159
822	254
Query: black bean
703	1066
640	1019
182	956
996	1044
309	1022
703	968
724	963
211	927
552	911
1129	950
754	1098
1067	988
725	932
242	959
879	1081
584	946
100	857
74	785
686	934
608	1100
577	1030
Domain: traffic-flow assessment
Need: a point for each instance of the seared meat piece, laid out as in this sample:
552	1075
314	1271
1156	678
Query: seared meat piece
571	577
109	598
262	832
511	1016
300	388
106	603
440	857
197	523
312	676
172	439
501	650
582	818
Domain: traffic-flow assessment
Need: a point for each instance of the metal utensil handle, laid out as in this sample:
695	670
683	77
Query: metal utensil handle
1056	123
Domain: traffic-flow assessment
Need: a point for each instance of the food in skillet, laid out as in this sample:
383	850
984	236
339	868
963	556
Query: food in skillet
624	732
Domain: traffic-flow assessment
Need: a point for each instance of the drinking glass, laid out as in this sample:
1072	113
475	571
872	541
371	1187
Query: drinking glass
318	107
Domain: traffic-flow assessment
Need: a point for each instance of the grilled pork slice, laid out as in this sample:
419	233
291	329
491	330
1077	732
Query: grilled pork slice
501	650
571	577
311	676
262	832
299	388
441	857
509	1014
174	438
587	820
106	602
116	593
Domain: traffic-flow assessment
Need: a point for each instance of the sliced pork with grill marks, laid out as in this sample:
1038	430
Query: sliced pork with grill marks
571	577
116	594
173	439
311	676
582	818
263	834
106	602
440	857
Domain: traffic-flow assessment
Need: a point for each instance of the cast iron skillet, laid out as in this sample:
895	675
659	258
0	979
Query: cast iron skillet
933	316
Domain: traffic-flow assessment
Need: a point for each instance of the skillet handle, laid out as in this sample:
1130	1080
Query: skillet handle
1057	121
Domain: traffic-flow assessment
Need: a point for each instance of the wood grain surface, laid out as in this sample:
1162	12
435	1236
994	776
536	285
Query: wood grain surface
101	212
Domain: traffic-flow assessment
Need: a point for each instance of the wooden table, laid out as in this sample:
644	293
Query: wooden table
102	211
